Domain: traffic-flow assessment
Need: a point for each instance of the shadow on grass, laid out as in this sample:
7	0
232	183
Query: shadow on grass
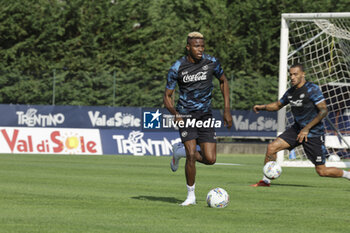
294	185
153	198
274	184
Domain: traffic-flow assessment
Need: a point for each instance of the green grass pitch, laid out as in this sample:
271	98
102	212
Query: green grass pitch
60	193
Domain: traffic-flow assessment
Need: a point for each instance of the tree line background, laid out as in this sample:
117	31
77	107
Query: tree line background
118	52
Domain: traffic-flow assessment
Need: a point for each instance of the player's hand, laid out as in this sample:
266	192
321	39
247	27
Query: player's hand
178	118
227	119
303	135
256	108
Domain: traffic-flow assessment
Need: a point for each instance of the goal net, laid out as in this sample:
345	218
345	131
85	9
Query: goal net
321	42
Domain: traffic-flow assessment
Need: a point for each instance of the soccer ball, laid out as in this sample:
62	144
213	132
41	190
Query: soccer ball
217	198
333	158
272	170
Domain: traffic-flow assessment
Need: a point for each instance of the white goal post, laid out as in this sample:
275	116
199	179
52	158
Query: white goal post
321	42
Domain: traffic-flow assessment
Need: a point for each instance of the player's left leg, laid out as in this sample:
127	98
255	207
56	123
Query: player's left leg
207	142
324	171
207	153
316	152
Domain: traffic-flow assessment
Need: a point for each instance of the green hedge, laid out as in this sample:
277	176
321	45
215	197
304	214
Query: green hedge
85	47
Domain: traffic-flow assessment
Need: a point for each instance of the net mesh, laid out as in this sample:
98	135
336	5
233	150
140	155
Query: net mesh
323	47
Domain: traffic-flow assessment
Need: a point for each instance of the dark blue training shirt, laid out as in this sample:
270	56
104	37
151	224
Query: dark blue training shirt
303	103
195	83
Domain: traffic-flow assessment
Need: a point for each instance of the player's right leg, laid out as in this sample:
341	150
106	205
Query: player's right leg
271	154
178	153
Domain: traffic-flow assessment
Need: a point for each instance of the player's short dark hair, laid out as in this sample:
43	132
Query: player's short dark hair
194	35
300	66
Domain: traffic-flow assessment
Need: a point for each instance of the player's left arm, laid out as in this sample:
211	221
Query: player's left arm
323	111
226	94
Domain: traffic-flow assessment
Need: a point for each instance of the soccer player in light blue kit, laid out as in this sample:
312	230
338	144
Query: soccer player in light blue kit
194	74
308	108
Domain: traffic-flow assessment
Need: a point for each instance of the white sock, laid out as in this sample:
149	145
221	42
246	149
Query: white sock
191	197
346	174
266	180
190	190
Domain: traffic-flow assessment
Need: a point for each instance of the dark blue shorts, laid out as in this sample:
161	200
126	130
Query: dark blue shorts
201	134
314	147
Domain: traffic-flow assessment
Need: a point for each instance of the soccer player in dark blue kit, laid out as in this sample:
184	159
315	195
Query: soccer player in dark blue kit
194	74
308	108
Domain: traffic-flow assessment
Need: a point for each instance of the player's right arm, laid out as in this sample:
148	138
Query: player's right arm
274	106
169	90
271	107
168	102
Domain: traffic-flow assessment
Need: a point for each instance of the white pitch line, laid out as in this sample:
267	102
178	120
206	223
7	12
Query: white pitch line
228	164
